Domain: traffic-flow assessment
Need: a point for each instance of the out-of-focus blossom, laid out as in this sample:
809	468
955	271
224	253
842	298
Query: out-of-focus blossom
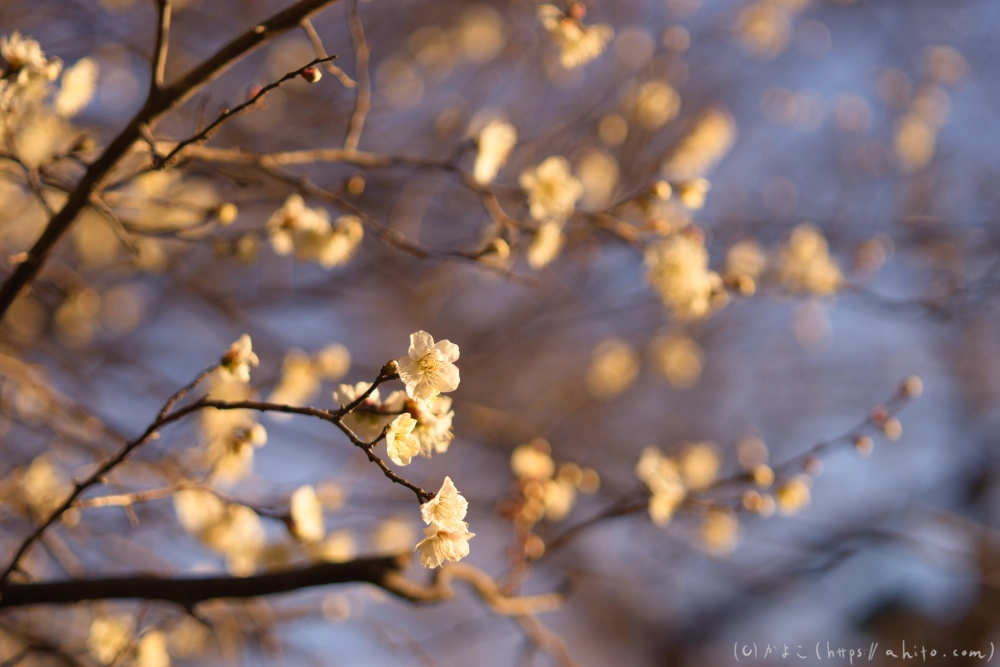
578	43
495	143
400	442
677	267
552	189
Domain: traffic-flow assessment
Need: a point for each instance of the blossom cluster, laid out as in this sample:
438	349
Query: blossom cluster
578	43
447	534
309	234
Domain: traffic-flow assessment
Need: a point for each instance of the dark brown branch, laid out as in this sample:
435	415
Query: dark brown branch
156	105
188	592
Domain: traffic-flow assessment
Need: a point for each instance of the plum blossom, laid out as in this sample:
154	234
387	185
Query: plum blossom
400	442
429	369
447	535
235	365
578	43
552	189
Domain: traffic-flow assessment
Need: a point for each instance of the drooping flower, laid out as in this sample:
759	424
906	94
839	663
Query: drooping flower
442	544
578	43
495	143
429	369
401	444
552	189
447	536
235	365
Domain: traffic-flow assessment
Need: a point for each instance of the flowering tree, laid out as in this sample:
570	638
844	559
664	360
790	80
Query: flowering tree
681	280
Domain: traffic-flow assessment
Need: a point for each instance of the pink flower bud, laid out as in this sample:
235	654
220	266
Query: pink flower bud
311	74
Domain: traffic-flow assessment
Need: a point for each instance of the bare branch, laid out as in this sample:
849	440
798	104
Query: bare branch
206	133
162	44
317	43
156	105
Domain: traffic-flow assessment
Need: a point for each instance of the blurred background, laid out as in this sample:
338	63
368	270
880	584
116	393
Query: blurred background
835	159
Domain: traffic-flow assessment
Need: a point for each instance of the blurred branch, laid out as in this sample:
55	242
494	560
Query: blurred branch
98	475
162	44
364	98
638	502
158	102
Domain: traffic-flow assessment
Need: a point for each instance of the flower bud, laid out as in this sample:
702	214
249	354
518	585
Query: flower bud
311	74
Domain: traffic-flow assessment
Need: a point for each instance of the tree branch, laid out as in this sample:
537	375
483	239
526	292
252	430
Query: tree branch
188	592
162	44
157	103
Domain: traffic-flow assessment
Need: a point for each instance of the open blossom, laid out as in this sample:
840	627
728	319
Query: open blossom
552	189
578	43
401	444
677	267
447	536
434	418
429	369
495	143
236	363
447	508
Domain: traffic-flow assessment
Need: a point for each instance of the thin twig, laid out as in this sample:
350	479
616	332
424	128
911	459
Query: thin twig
162	44
206	133
317	43
158	103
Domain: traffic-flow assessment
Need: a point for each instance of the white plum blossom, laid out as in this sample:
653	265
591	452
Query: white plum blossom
447	535
235	365
578	44
434	417
441	544
495	143
447	508
400	442
429	369
552	189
